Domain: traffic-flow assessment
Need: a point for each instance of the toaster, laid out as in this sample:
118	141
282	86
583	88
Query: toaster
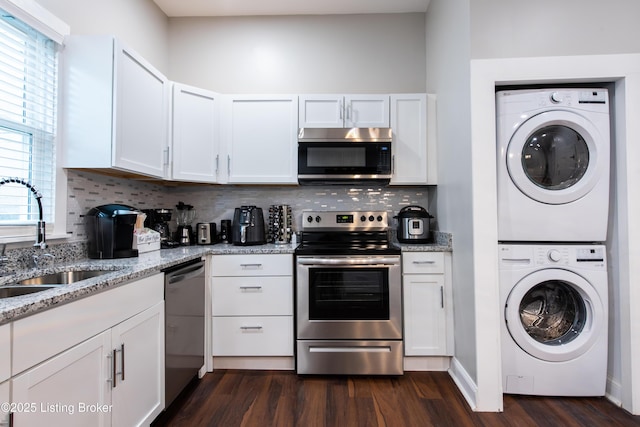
206	233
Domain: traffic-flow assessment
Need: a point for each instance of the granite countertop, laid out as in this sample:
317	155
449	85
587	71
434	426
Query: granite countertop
123	271
442	242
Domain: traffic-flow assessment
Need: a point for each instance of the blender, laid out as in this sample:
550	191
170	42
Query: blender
185	214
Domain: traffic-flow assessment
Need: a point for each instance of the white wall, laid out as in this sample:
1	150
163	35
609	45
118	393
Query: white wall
448	75
300	54
139	23
517	28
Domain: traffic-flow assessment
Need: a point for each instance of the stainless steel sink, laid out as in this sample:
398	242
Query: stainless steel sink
63	277
17	290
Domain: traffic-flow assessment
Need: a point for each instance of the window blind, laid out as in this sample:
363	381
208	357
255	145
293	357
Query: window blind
28	101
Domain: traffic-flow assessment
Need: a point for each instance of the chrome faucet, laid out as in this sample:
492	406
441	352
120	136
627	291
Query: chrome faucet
41	240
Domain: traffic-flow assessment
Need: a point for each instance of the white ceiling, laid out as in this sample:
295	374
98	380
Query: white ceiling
175	8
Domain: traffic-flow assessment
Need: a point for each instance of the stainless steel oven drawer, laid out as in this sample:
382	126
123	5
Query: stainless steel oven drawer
349	357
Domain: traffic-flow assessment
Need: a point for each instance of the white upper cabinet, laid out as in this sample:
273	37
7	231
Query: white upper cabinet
195	134
413	146
115	110
260	133
338	111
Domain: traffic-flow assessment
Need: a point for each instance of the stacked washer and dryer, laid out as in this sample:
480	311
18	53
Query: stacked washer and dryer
553	198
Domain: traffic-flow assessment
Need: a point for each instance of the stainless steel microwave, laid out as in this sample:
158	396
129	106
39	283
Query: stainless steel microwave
344	156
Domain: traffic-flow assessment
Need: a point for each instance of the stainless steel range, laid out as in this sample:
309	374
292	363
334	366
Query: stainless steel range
348	295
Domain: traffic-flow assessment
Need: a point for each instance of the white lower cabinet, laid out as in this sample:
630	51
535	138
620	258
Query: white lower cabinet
112	375
428	310
252	305
5	397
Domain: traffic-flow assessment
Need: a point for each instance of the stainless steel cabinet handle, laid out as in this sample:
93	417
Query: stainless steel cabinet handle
256	265
341	107
348	261
251	328
255	288
122	358
166	156
441	296
114	368
423	262
217	163
228	164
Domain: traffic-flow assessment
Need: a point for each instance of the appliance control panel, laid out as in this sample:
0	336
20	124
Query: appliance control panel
345	220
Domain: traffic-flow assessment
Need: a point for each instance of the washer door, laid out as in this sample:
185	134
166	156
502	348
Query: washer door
553	157
554	315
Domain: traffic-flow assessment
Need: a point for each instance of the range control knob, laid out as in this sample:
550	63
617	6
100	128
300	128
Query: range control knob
309	218
554	255
363	218
318	219
556	98
379	218
371	218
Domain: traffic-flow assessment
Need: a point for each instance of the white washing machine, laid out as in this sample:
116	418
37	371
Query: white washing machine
553	165
554	328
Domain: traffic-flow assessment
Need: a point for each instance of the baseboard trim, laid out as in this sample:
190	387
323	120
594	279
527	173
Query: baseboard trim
465	383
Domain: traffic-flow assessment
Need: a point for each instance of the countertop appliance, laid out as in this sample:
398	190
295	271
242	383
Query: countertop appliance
184	325
553	151
248	226
110	231
348	295
414	225
554	306
344	156
158	220
185	214
206	233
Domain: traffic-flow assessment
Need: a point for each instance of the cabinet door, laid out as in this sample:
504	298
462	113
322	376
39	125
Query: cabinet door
70	389
5	352
5	397
321	111
138	391
195	134
261	136
141	115
409	126
366	111
425	315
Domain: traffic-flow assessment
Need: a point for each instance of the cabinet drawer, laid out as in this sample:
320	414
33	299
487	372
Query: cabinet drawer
252	296
253	336
5	352
423	262
252	265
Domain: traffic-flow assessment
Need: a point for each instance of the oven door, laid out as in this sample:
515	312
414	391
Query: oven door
349	297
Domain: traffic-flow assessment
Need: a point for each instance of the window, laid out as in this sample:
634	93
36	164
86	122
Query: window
28	117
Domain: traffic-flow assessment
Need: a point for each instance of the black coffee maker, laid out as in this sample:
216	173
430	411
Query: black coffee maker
110	231
158	220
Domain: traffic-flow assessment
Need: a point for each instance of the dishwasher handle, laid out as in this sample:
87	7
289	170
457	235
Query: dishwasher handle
185	273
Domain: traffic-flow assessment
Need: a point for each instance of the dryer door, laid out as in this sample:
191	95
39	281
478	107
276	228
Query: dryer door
554	315
557	157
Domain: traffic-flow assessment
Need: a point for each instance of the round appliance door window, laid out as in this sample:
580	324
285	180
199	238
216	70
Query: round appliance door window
554	315
556	157
553	312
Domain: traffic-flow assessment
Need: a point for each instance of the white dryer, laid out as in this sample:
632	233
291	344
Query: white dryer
553	165
554	326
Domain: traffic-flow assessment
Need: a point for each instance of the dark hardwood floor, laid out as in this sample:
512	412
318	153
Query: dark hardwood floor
229	398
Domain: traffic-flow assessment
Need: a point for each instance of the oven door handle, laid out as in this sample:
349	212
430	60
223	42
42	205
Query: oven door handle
349	261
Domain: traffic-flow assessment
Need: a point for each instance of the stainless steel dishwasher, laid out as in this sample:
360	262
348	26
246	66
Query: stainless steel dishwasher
184	325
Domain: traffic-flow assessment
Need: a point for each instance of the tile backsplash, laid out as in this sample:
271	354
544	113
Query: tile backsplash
216	202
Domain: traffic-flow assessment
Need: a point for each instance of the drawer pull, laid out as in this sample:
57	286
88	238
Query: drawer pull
251	328
257	265
251	288
424	262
